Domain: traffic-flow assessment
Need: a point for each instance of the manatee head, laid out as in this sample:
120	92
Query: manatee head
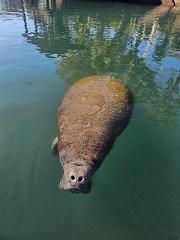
77	177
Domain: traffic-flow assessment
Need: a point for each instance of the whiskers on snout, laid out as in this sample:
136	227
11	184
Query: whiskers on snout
76	178
83	188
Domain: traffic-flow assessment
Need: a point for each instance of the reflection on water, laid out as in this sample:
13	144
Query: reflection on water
46	46
99	42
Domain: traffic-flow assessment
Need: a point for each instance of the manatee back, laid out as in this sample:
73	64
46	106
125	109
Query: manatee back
94	111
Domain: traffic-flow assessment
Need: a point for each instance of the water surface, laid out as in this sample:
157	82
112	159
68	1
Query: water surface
44	48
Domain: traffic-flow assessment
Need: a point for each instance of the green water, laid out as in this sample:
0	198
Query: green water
44	48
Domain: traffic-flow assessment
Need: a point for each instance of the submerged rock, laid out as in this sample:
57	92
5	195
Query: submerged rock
94	111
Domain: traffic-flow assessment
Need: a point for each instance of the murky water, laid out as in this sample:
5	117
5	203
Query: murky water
44	48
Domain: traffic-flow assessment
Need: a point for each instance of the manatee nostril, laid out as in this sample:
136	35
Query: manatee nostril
72	177
80	179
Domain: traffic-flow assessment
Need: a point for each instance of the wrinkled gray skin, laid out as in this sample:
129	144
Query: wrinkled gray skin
93	112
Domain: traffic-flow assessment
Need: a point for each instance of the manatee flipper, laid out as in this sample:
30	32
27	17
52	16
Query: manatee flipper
54	146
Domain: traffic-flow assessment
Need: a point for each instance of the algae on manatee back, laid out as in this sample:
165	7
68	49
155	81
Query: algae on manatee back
94	111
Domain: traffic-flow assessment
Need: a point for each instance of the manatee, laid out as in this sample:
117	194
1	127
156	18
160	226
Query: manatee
94	111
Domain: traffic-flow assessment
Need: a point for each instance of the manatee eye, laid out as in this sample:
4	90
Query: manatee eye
80	179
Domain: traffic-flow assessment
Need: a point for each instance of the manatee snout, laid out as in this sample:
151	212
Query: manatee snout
76	178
